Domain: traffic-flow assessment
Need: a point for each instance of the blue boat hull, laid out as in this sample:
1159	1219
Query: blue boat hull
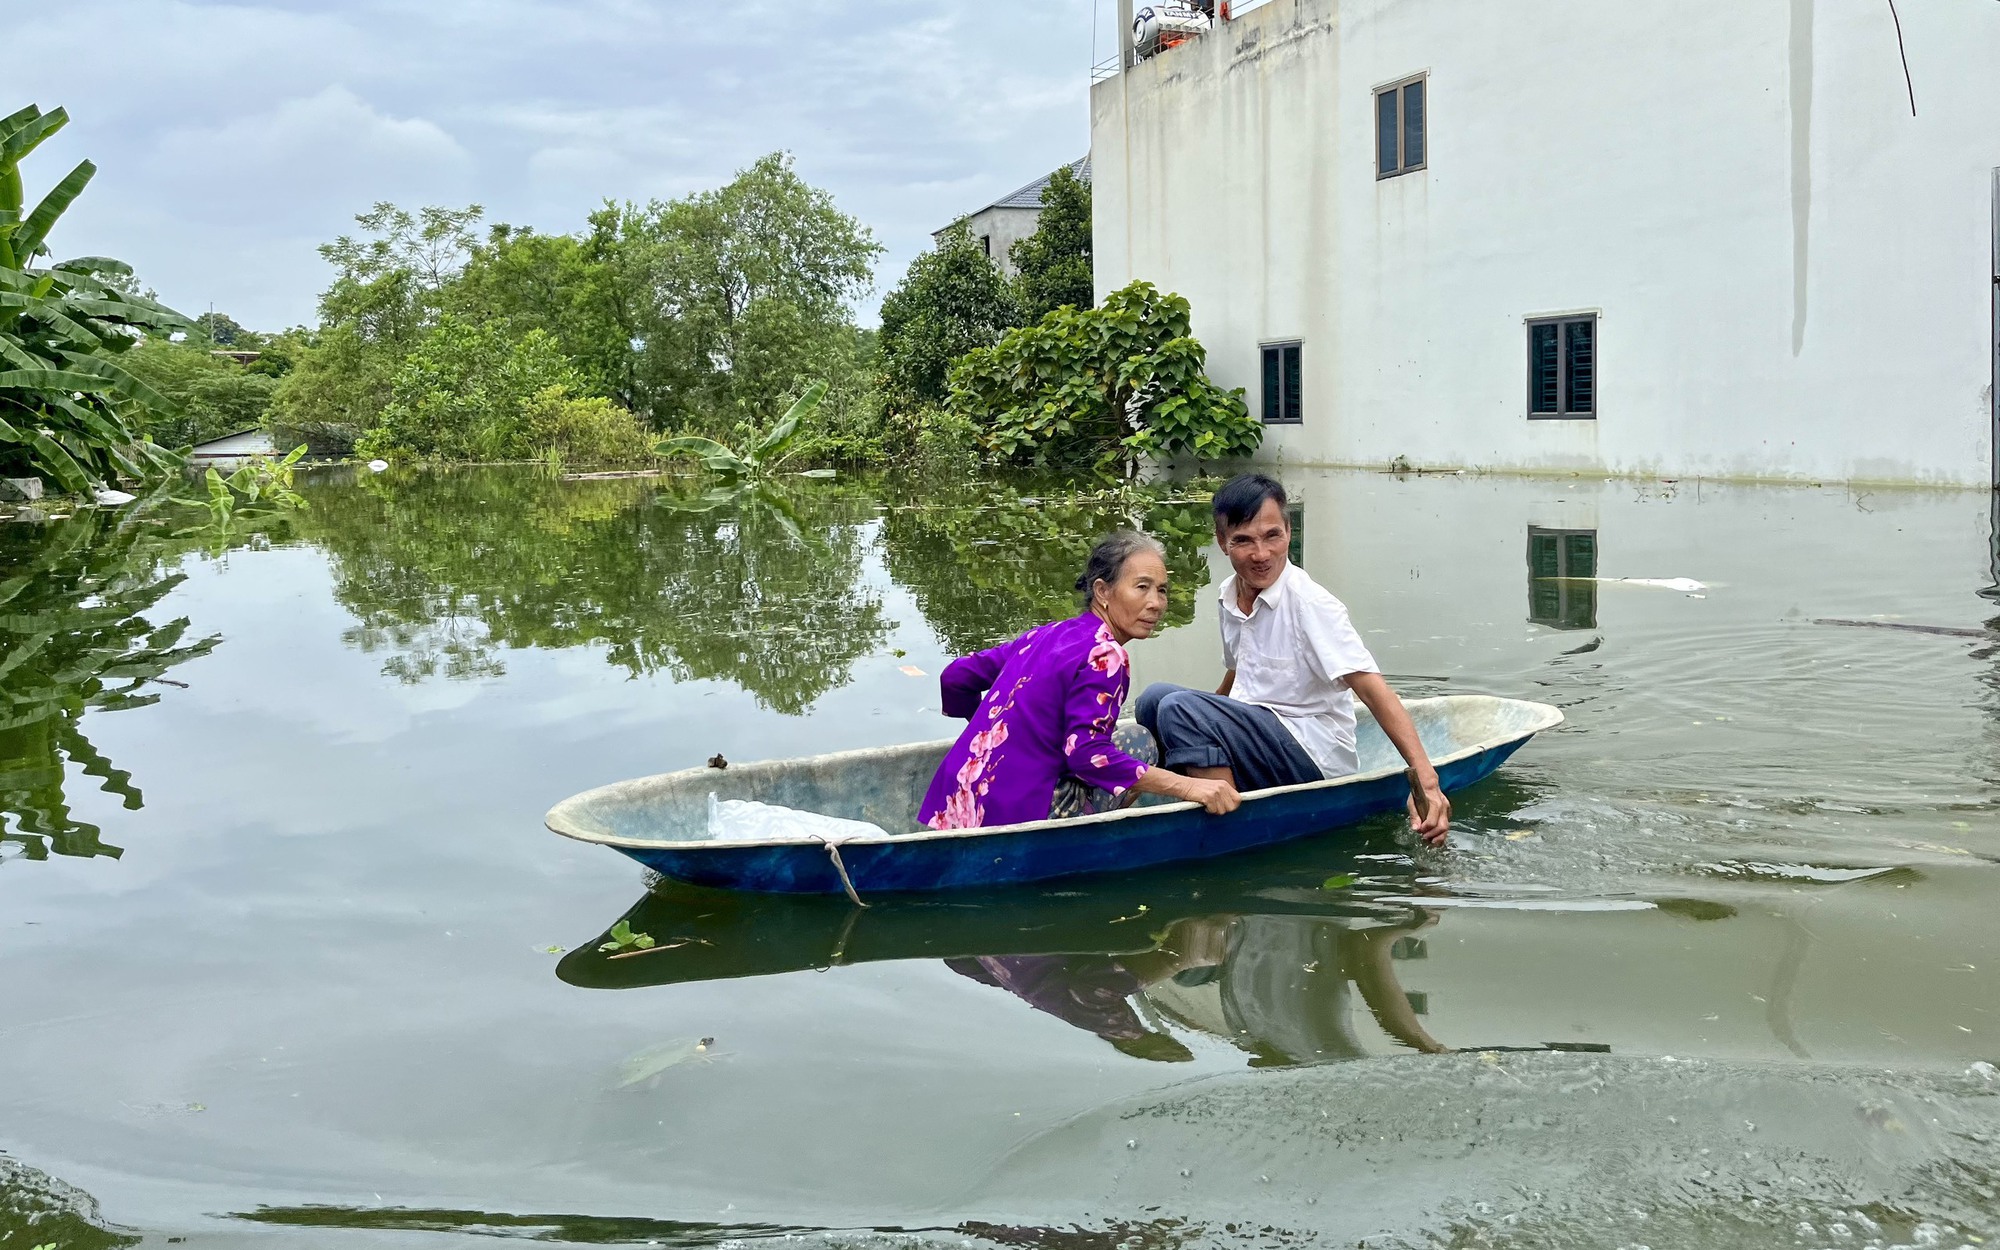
1041	852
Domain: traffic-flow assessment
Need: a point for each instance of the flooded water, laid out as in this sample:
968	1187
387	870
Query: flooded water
286	956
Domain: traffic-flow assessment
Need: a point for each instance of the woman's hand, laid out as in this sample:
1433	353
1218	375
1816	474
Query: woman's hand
1219	797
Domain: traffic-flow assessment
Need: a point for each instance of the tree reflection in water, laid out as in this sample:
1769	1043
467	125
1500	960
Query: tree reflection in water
985	572
448	570
75	636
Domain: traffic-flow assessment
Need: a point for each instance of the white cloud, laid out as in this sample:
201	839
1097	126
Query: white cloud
234	137
283	164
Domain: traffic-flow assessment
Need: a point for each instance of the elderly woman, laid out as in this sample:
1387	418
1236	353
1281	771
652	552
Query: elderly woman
1044	708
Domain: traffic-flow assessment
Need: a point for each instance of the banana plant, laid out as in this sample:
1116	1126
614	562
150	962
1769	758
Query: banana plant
757	460
69	412
259	487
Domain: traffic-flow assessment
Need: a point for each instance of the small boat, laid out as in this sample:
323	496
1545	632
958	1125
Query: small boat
663	821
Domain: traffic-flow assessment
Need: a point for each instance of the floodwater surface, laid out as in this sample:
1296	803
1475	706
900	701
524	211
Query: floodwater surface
287	958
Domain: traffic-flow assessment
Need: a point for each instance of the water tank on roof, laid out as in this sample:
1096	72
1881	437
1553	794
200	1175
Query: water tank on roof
1157	27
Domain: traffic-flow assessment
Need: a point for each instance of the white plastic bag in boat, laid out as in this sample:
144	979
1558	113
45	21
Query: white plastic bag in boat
745	820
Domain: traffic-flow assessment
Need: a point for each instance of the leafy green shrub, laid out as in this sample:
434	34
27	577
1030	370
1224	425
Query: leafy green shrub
1105	385
581	431
460	394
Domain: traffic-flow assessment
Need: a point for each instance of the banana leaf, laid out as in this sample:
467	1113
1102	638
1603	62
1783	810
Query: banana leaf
46	379
94	264
57	462
35	230
715	457
21	133
771	449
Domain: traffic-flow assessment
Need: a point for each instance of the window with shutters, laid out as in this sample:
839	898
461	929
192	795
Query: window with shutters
1282	404
1399	127
1562	367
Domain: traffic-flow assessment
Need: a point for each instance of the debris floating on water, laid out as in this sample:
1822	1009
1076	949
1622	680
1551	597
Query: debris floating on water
1943	631
1686	585
646	1065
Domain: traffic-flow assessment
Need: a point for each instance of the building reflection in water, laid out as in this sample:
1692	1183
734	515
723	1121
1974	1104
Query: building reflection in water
1562	566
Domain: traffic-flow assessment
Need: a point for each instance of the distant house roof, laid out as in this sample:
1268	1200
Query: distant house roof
248	442
1030	196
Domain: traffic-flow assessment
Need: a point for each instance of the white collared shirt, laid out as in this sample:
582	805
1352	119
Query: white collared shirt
1292	653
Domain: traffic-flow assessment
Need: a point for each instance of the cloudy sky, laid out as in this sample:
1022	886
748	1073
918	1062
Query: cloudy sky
231	139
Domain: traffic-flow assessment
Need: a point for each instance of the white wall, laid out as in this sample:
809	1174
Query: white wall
1794	275
1003	228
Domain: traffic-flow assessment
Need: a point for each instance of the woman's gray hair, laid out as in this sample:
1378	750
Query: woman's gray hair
1108	557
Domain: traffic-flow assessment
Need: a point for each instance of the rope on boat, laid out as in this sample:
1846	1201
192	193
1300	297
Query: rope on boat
846	882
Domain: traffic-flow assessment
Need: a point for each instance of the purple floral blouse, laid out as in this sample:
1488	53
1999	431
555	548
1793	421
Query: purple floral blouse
1041	706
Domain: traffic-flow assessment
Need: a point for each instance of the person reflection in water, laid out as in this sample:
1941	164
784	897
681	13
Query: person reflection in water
1043	738
1276	987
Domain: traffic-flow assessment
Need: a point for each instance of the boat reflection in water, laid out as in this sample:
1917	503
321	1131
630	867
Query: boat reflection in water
1275	966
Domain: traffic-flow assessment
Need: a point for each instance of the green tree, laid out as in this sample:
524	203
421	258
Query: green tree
210	395
430	245
461	392
951	300
219	330
69	410
751	290
579	291
1105	386
387	293
1053	265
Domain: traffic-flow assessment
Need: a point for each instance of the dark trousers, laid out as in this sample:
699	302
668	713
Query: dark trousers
1197	729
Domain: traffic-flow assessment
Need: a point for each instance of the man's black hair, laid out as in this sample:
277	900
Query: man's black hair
1243	496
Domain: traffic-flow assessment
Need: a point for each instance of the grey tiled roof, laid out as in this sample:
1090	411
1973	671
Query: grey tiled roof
1030	196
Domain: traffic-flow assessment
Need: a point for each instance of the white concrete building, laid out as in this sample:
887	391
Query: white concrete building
1012	217
1677	238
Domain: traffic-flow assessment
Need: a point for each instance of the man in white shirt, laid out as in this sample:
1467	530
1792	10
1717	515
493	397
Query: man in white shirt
1284	714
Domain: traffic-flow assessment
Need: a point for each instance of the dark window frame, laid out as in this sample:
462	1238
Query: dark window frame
1569	600
1395	92
1565	380
1295	412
